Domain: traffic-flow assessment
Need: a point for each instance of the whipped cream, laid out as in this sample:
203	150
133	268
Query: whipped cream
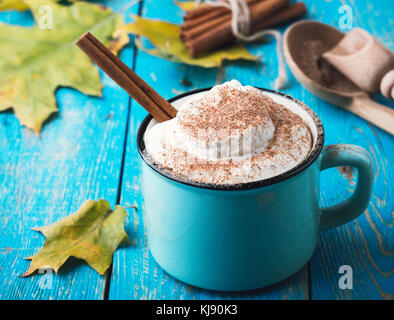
231	134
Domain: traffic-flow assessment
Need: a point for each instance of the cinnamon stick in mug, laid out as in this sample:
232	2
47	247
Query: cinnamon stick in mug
137	88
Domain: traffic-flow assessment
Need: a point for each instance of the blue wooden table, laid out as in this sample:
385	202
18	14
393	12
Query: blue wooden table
88	151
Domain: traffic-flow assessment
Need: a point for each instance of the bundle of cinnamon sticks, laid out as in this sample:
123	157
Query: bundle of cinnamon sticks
206	28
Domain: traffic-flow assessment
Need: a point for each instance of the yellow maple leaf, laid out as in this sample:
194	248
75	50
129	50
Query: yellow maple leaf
19	5
93	233
13	5
185	5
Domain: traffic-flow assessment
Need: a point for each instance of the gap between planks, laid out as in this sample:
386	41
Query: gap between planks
107	280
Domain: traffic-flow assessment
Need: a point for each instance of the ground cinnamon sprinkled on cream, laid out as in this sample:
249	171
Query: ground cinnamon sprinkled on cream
228	115
232	135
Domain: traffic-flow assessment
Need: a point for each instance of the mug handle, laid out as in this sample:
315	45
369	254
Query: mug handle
347	155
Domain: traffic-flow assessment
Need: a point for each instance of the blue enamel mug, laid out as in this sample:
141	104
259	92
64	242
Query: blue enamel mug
251	235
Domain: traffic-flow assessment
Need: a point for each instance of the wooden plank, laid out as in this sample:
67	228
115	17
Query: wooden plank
135	273
367	243
78	157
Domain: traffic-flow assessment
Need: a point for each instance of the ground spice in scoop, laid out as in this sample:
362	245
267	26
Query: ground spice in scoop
319	70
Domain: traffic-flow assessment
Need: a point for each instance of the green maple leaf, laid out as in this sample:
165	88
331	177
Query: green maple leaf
36	61
165	37
93	233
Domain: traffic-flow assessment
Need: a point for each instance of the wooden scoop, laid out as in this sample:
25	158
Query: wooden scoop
365	61
323	80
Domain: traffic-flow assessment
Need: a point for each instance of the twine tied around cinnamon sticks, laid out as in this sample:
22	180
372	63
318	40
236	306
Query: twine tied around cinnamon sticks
206	28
